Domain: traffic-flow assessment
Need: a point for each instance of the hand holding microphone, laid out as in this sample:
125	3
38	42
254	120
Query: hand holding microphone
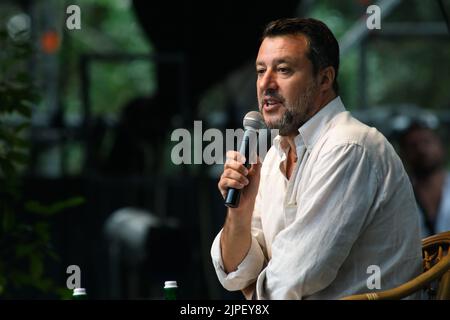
238	172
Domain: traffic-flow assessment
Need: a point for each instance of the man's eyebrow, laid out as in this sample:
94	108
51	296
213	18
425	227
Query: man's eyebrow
277	61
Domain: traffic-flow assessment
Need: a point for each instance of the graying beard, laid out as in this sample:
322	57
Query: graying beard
288	125
291	121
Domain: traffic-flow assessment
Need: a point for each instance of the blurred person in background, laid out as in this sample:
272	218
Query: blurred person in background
424	155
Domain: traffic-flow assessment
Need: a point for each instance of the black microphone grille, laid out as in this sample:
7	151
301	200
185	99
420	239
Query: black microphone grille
254	120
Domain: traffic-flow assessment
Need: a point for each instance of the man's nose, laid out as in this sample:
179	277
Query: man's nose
268	81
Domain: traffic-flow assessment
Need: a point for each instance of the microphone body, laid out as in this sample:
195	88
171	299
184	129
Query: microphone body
234	195
253	121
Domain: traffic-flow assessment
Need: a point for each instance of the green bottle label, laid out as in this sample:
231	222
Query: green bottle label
79	294
80	297
170	293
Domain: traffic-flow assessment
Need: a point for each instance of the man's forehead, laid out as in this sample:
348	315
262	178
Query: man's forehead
285	48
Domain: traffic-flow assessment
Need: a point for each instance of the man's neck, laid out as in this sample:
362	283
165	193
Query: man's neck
321	102
290	140
291	160
291	156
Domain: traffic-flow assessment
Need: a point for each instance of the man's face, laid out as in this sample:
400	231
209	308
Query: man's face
423	151
286	87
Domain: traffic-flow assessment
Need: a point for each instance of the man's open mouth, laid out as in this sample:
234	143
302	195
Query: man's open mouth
271	104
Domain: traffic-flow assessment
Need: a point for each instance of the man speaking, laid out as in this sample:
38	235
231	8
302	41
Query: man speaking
331	200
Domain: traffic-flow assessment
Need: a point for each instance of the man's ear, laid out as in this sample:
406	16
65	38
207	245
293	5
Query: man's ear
327	76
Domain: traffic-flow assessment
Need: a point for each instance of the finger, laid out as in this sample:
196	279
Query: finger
236	166
222	189
235	175
234	155
227	183
235	181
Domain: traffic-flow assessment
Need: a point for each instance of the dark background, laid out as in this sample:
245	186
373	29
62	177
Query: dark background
111	93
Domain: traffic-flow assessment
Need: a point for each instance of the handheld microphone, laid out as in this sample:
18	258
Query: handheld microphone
253	121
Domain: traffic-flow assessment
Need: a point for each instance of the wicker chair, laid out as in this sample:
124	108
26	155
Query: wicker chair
435	279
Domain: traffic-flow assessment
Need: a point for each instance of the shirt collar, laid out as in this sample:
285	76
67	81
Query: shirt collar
310	132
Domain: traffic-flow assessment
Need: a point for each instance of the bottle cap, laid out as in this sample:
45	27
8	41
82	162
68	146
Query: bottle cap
170	284
79	291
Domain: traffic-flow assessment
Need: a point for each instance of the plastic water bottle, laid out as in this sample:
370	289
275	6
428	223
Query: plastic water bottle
79	294
170	290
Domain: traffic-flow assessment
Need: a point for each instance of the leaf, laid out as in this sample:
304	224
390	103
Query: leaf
23	250
21	127
21	143
12	140
24	110
64	293
42	230
6	135
47	210
43	284
18	157
8	219
52	254
9	189
36	265
23	77
21	279
34	97
7	168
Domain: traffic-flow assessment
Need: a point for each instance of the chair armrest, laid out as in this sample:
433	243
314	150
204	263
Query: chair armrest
409	287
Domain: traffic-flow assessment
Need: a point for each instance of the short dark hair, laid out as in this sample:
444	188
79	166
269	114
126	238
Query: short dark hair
323	46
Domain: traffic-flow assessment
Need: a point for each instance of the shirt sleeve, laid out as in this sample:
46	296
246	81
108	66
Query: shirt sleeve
330	214
248	270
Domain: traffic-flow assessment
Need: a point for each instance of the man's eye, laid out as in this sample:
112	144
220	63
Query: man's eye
284	70
260	71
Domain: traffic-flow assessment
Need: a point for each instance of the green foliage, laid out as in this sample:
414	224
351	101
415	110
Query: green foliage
107	26
25	246
400	70
36	207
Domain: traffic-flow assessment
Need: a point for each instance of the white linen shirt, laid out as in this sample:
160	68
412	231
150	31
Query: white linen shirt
348	206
